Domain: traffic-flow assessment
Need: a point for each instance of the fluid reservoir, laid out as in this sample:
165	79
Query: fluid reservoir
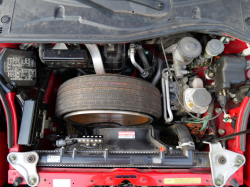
214	48
187	49
197	100
184	53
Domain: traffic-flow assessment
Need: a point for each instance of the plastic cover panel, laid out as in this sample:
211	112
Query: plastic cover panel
108	21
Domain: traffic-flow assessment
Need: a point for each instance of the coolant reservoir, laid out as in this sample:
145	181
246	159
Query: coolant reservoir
197	100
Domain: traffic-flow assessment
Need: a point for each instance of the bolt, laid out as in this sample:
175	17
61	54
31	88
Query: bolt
213	83
31	158
33	181
218	110
5	19
235	99
239	160
211	74
132	50
143	179
221	131
13	158
218	182
222	160
161	5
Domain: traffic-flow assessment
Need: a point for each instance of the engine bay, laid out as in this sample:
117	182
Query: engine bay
168	102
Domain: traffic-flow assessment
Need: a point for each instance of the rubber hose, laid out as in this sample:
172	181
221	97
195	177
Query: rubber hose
181	131
158	73
124	58
243	127
143	57
210	112
8	117
43	85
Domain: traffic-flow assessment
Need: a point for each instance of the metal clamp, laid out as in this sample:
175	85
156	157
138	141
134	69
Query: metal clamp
25	163
224	163
190	143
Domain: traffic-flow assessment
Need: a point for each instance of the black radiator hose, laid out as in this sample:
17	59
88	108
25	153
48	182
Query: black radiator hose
184	137
158	73
182	132
8	118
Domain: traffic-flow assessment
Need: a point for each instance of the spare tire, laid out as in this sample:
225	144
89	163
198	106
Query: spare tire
108	98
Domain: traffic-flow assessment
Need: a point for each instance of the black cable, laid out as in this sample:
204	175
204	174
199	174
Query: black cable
43	85
8	118
248	93
194	73
82	71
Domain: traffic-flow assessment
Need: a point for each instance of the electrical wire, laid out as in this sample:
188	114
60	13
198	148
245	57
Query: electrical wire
177	96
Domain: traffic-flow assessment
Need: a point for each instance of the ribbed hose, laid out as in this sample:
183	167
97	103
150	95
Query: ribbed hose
8	117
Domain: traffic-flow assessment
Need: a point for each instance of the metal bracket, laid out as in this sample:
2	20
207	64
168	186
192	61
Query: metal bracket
96	58
25	163
224	163
190	143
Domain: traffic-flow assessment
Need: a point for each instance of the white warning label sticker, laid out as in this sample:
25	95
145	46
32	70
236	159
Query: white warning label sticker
62	183
51	158
126	135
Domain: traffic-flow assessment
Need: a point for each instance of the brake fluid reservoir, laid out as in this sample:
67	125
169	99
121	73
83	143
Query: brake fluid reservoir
196	100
